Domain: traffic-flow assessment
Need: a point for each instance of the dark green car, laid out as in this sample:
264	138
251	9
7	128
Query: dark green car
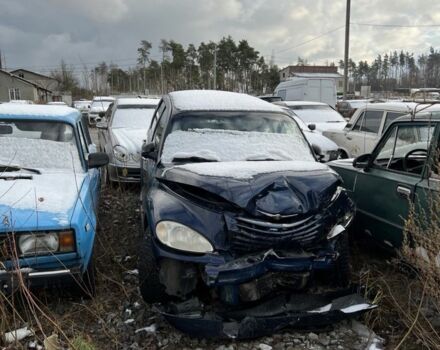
402	168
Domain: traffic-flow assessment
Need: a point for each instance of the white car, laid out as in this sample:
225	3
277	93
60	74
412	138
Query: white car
121	134
82	105
320	114
99	105
57	103
368	124
329	149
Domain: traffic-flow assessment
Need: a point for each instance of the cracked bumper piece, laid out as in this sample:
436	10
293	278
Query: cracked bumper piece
287	310
250	267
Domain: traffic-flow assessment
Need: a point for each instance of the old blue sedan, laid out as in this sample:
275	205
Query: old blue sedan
49	191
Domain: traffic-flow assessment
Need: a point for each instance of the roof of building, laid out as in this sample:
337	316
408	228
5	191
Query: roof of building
316	75
29	71
45	112
24	80
137	101
214	100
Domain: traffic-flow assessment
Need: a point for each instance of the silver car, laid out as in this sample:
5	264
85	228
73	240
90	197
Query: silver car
121	133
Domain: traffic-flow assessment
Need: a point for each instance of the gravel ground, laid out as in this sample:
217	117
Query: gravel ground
118	318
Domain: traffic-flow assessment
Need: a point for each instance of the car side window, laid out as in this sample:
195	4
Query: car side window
82	138
282	94
372	121
86	133
157	115
357	126
406	149
160	126
390	117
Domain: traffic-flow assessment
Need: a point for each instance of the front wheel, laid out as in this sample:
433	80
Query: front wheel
152	290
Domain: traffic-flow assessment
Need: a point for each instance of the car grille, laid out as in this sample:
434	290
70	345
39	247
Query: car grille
251	235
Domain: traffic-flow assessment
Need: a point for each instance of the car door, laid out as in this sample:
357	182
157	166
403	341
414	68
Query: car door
353	139
383	191
104	132
157	128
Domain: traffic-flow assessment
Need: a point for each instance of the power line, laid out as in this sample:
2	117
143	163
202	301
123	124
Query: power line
310	40
395	25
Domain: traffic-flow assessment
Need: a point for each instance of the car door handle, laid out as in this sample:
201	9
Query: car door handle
404	191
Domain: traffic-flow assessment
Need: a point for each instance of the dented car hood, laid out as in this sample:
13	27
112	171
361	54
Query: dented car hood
260	187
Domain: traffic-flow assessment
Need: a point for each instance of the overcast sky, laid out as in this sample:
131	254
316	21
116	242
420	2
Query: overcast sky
36	34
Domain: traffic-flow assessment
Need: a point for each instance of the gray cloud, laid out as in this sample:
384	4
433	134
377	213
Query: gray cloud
37	34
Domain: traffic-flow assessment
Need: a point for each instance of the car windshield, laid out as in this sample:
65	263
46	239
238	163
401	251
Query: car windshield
234	136
317	114
38	144
102	103
133	116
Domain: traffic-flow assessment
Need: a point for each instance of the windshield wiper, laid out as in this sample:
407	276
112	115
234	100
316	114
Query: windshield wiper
193	159
5	167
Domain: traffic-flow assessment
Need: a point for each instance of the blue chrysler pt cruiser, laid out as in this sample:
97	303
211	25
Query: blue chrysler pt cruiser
49	192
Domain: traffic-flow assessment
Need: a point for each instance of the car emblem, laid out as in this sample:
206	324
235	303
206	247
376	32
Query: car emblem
124	172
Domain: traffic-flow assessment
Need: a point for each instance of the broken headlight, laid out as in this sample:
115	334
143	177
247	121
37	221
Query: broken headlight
181	237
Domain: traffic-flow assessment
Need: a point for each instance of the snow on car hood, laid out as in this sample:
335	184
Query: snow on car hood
97	109
320	140
131	139
48	199
275	187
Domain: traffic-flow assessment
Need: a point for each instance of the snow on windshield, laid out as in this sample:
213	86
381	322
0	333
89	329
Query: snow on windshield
318	115
135	118
233	145
39	153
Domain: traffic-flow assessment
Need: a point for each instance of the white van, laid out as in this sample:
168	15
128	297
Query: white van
308	89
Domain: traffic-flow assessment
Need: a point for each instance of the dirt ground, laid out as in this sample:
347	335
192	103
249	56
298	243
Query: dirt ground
118	318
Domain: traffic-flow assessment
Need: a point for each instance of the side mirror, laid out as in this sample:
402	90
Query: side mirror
318	152
312	127
101	114
362	161
348	126
98	159
102	125
149	150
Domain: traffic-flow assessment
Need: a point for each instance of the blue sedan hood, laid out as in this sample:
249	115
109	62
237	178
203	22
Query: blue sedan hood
38	201
261	188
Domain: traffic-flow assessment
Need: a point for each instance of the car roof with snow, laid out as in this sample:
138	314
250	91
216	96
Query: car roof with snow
103	98
214	100
124	101
427	114
398	106
44	112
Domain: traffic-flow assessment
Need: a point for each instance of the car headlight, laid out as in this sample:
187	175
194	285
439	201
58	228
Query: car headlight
120	153
181	237
46	242
337	193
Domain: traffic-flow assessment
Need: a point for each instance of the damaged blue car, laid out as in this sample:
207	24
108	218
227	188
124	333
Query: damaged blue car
245	232
49	192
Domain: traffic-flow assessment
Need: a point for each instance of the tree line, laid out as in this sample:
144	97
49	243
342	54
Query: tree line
223	65
395	70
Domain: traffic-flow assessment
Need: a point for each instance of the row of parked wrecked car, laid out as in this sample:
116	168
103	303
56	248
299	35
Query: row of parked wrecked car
245	230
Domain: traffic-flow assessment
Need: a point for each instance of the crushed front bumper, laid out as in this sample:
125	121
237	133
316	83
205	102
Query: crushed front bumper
286	310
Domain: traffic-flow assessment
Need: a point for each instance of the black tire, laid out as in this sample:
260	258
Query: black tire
152	290
342	269
342	154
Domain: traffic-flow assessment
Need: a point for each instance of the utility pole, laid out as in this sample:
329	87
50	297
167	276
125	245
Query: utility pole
347	47
1	66
215	67
161	71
